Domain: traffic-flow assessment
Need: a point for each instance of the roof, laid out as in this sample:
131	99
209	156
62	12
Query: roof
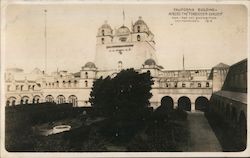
150	62
140	21
123	30
106	25
221	65
89	65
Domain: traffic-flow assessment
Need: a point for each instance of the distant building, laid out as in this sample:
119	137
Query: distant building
117	49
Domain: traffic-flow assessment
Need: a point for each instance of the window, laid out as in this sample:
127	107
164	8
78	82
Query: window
167	85
102	40
103	32
199	84
21	87
123	39
138	29
86	75
183	85
207	84
86	83
138	38
119	65
175	84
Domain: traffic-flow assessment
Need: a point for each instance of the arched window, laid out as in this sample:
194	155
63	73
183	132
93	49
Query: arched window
86	75
138	29
199	85
63	83
60	99
86	83
138	38
119	65
207	84
103	32
33	87
69	83
102	40
73	100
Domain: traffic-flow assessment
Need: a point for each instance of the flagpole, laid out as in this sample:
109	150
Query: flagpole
123	16
45	39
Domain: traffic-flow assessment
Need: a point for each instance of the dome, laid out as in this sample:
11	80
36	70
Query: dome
150	62
106	26
123	30
89	65
140	21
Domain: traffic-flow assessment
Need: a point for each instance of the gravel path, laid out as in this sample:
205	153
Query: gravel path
202	137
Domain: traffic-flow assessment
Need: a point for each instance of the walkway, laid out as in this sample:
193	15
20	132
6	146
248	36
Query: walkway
202	137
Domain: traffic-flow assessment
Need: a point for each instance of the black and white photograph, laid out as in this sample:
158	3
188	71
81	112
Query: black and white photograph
124	77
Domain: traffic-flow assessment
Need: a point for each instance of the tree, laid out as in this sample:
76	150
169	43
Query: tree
124	96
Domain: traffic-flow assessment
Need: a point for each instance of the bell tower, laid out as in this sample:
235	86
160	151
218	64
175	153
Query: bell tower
105	34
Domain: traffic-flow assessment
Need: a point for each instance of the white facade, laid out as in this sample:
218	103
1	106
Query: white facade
115	50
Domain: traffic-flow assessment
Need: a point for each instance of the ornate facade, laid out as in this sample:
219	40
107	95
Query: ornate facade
115	50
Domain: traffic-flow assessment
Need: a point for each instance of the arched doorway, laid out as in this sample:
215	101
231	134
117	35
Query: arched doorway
11	101
25	100
36	99
49	98
60	99
201	103
167	102
7	103
184	103
73	100
228	112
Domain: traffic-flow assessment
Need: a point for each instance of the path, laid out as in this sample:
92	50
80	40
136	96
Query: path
202	137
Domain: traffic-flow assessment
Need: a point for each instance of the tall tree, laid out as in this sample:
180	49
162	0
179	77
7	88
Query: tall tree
124	96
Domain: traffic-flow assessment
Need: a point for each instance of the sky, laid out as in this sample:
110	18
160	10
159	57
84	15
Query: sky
72	30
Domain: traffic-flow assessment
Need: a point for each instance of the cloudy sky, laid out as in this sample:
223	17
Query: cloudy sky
72	30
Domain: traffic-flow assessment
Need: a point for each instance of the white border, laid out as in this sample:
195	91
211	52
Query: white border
5	154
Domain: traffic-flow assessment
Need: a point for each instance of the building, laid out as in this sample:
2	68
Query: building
116	50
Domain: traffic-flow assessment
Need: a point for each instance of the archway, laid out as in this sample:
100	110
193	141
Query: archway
73	100
12	101
228	112
7	103
242	131
25	100
201	103
36	99
167	102
60	99
184	103
49	98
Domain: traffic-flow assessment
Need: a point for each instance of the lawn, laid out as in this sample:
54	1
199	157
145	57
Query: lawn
155	132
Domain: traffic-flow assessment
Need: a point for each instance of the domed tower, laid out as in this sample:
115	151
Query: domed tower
105	34
127	49
141	32
122	34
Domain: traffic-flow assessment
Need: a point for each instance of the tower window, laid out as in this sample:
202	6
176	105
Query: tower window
86	83
138	29
199	84
119	65
138	38
207	84
103	32
102	40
